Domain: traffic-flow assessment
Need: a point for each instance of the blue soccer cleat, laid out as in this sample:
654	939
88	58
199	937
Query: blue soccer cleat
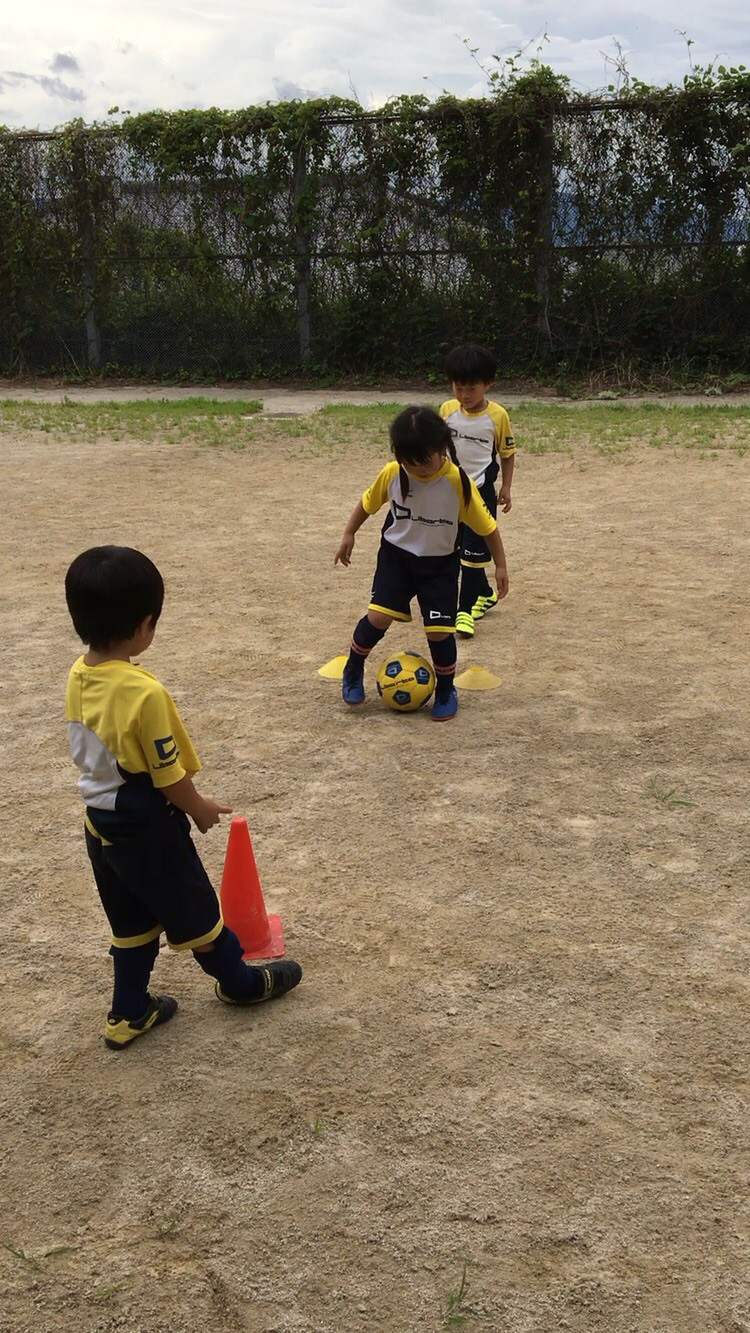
446	708
353	686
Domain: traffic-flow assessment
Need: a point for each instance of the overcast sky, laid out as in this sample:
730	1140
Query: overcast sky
66	58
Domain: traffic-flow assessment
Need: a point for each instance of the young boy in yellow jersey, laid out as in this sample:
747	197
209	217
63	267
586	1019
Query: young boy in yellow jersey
485	448
137	765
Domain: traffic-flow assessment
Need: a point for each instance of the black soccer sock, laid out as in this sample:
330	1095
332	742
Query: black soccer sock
444	661
364	639
132	969
238	980
474	583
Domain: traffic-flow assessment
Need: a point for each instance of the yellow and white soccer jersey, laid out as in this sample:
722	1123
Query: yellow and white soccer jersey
123	727
427	520
479	437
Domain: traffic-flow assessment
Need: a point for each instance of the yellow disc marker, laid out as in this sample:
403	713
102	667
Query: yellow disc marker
333	670
476	678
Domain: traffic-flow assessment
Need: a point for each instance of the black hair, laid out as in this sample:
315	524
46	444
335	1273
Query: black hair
110	590
416	434
471	364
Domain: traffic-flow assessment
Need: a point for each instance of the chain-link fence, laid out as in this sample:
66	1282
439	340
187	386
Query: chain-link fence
570	237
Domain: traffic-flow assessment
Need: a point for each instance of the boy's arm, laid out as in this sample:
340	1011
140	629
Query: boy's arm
495	543
202	810
344	553
506	471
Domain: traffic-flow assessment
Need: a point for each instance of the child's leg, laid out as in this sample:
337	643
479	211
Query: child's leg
438	595
170	874
367	633
239	982
132	969
135	947
475	554
392	591
135	934
474	584
443	653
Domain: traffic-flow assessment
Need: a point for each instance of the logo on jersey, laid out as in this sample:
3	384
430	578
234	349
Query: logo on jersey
400	511
166	748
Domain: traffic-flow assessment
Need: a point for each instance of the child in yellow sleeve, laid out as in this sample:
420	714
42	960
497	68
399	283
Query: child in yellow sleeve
485	448
137	765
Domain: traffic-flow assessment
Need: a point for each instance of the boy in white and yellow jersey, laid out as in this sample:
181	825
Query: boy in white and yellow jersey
137	765
485	448
429	499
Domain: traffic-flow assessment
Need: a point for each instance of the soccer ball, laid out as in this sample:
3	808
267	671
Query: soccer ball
405	682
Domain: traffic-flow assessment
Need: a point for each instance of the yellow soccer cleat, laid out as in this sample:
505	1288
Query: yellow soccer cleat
119	1032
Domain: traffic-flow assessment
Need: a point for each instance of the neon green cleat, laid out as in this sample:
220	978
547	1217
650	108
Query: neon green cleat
483	604
464	624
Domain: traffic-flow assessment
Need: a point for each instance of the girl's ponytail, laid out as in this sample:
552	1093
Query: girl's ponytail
465	483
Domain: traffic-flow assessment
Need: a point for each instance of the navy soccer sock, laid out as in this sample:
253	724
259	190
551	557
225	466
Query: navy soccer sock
474	583
132	969
238	980
364	639
444	661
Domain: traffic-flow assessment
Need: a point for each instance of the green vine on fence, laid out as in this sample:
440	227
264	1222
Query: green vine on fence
569	231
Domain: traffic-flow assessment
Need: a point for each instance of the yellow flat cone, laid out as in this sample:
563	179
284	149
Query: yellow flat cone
476	678
333	670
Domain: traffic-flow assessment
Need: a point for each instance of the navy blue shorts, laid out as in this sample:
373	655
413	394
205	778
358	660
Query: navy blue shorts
432	579
151	879
474	549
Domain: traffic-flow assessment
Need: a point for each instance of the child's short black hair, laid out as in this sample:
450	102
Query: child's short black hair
470	364
110	590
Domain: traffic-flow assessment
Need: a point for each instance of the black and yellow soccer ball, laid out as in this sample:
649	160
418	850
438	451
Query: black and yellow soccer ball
405	682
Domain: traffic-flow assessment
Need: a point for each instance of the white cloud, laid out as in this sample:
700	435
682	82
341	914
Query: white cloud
234	53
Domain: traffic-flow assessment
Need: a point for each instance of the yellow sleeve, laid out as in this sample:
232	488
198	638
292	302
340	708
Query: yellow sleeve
449	407
165	742
503	434
377	495
475	514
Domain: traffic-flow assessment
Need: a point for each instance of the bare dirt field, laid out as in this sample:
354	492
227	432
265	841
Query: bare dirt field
521	1041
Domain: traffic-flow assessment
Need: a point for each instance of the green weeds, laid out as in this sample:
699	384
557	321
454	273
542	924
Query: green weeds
600	428
456	1311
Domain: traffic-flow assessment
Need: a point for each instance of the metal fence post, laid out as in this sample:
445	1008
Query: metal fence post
86	236
543	237
302	251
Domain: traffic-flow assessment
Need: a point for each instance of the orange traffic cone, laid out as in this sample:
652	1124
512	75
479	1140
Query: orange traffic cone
242	905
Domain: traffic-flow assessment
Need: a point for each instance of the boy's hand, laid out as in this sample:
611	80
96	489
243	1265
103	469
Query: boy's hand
503	498
344	553
209	814
501	579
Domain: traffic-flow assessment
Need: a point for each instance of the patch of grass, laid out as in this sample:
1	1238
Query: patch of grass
606	428
457	1311
666	794
25	1258
106	1293
317	1129
613	428
197	419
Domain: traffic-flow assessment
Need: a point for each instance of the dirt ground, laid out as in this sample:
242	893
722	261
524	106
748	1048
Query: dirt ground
521	1040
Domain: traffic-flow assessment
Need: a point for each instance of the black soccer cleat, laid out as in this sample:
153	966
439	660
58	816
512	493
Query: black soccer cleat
278	978
119	1032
